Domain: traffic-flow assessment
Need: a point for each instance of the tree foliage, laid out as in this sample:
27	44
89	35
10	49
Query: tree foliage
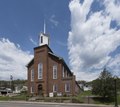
104	85
12	84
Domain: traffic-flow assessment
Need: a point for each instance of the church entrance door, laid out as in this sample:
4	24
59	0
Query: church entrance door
40	90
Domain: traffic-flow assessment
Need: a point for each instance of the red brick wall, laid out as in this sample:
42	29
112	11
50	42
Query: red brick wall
41	55
52	61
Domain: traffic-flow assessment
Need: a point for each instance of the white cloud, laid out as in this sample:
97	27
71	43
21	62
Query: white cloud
13	60
52	20
91	39
114	65
34	42
113	8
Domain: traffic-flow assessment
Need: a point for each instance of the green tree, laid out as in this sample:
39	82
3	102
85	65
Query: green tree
104	85
118	84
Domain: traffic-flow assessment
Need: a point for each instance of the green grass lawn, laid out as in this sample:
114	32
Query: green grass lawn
84	97
17	97
4	98
86	93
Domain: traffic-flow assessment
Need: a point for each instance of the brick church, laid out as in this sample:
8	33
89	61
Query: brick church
48	74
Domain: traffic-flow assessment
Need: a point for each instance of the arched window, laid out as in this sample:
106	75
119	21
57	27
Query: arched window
40	71
54	72
63	72
67	87
55	88
41	39
32	74
32	88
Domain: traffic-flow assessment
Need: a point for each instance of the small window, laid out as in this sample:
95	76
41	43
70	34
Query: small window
41	39
32	75
32	89
67	75
63	72
55	88
40	70
67	87
55	72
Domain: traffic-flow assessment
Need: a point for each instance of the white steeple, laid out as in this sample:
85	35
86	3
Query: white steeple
44	27
43	37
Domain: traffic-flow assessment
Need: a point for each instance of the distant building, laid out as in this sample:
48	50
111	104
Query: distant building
48	73
85	86
5	91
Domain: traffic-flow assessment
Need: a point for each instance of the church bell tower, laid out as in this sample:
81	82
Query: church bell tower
43	37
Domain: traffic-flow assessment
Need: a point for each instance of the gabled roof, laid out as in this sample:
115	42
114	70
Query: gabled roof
51	53
77	84
31	61
61	59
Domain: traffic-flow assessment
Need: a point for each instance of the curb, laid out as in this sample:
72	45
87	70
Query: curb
49	103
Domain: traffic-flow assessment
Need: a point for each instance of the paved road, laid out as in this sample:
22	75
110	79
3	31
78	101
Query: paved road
29	104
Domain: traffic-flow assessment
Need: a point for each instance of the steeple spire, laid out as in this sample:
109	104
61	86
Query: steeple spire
43	37
44	27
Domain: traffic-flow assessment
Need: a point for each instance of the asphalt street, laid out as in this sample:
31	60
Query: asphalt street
29	104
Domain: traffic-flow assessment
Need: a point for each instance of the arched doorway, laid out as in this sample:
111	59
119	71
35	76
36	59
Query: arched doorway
40	90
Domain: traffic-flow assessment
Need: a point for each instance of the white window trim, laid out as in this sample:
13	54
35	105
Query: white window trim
54	68
40	65
66	87
32	90
32	74
55	85
63	72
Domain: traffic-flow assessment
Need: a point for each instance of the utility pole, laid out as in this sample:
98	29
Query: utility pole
115	81
11	78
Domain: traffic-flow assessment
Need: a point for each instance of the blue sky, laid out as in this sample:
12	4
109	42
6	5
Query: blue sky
86	33
21	20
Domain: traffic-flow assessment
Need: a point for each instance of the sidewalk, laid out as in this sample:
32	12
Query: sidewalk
51	103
